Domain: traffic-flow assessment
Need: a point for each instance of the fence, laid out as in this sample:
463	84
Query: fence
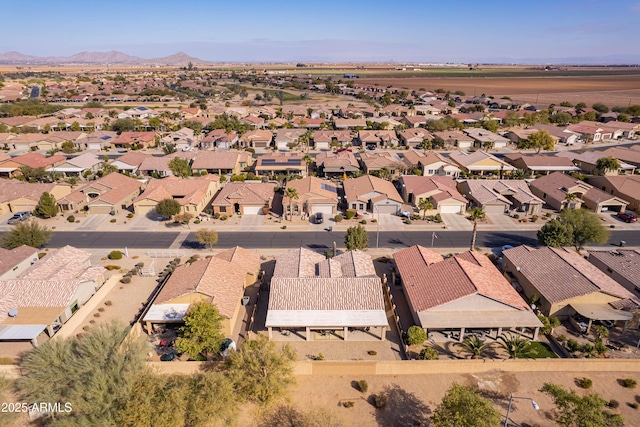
396	318
166	254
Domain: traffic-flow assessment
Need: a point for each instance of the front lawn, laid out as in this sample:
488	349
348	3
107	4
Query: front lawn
539	350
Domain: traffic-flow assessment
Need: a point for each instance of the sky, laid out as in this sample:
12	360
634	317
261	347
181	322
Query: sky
323	31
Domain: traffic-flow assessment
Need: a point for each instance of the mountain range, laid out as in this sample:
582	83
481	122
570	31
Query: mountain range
111	57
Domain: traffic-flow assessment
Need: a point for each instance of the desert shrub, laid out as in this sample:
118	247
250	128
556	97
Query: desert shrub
438	218
573	345
548	214
108	303
112	220
338	218
372	353
561	338
534	218
416	335
613	404
140	265
585	383
363	386
407	221
100	309
629	383
197	221
284	227
92	321
634	405
85	328
612	226
96	314
516	216
320	356
350	213
112	267
7	360
224	218
71	218
428	353
348	404
380	400
115	255
129	215
125	280
216	215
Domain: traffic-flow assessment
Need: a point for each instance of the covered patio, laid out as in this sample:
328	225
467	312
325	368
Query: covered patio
600	312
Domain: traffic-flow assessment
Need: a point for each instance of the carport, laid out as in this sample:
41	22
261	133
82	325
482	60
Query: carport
163	314
21	333
600	312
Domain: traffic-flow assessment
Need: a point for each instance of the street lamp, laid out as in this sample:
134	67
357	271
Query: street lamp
533	403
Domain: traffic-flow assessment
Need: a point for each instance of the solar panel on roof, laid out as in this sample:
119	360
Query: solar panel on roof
105	137
328	187
142	108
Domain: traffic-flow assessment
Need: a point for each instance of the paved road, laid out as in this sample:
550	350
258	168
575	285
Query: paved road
314	240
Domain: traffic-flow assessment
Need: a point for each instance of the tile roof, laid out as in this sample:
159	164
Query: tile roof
332	160
184	190
626	263
329	135
249	193
222	281
565	275
133	158
485	191
356	188
540	160
468	160
312	190
37	160
381	160
424	184
66	263
431	281
12	189
216	160
558	184
10	258
244	259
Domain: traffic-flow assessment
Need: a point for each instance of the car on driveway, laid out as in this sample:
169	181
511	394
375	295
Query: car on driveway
627	217
319	218
19	217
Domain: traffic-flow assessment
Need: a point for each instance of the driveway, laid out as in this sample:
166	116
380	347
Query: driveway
143	223
457	222
251	222
390	222
500	221
92	222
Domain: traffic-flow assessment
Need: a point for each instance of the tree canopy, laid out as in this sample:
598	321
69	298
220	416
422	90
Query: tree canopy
29	233
464	407
168	208
47	206
356	238
607	164
180	167
575	227
206	236
555	233
202	333
541	140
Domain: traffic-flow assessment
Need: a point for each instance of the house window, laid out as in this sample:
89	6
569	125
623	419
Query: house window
223	209
361	206
186	208
544	195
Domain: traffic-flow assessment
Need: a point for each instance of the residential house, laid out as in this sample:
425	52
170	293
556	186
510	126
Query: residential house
626	155
182	139
625	187
222	162
314	296
540	164
193	194
134	139
244	198
253	121
281	163
377	138
349	123
588	163
622	265
45	295
256	139
562	191
19	196
287	139
325	139
218	280
14	262
129	162
561	133
455	138
141	112
568	284
370	194
219	139
415	121
501	196
111	193
315	195
481	162
337	164
83	165
440	190
414	136
589	133
99	140
383	162
482	137
430	163
11	167
453	295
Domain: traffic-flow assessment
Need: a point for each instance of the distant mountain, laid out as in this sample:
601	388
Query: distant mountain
112	57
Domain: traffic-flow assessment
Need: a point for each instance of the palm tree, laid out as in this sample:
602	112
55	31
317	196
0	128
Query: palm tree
308	160
425	205
474	345
515	345
475	214
292	194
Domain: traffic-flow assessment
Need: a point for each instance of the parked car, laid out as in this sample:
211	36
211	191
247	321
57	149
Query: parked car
319	218
627	216
18	217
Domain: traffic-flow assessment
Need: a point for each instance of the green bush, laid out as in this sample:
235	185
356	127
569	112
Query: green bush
338	218
573	345
71	218
380	400
284	227
129	215
112	220
416	335
224	218
428	353
112	267
613	404
364	221
585	383
216	215
350	213
320	356
629	383
516	216
197	221
348	404
438	218
115	255
363	386
372	353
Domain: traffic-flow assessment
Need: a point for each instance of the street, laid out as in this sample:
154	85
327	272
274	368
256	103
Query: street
314	240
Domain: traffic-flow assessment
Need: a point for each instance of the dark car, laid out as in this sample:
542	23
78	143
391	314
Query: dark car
319	218
627	217
168	357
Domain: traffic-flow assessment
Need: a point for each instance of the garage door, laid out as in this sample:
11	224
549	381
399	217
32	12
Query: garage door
144	209
493	208
100	209
448	209
252	210
325	209
386	209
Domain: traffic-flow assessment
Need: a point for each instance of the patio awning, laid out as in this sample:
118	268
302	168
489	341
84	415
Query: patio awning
166	313
478	319
20	332
601	312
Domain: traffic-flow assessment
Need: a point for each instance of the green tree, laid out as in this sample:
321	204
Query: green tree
487	145
291	194
33	174
607	164
548	324
516	346
180	167
261	371
428	353
75	127
426	145
474	345
475	214
541	140
29	233
356	238
207	237
68	147
600	107
464	407
491	125
93	373
416	335
194	125
425	205
202	333
168	208
123	125
586	227
555	233
47	206
169	148
574	410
